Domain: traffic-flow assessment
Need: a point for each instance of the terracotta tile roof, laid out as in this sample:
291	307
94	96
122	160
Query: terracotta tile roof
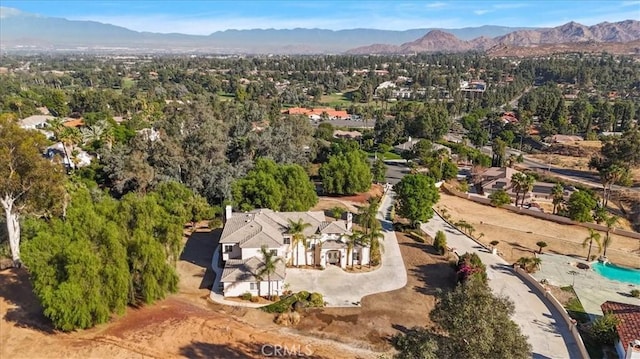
318	112
74	123
629	326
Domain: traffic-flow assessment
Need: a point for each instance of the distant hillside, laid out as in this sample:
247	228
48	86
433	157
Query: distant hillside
19	30
570	33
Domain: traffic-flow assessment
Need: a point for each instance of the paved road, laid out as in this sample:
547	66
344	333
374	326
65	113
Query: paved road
548	336
342	289
396	169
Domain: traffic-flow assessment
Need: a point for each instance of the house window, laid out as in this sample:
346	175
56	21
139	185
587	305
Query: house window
253	286
287	240
228	248
274	252
355	255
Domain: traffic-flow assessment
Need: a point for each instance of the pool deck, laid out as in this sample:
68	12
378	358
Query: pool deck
592	288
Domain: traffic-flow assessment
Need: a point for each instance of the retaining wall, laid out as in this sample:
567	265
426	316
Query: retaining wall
551	300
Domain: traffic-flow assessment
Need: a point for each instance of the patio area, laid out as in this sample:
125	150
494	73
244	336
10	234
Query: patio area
591	288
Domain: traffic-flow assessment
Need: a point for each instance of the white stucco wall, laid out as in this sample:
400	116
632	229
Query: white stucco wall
234	254
255	252
239	288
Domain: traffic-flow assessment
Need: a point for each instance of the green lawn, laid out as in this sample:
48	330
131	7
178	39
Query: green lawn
335	100
386	155
128	82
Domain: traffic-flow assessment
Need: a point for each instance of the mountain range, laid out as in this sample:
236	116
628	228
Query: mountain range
20	31
569	33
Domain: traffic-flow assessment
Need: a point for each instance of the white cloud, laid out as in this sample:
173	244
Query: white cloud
436	5
481	12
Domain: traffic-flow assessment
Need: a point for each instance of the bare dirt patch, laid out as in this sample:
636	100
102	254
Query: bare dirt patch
385	314
518	233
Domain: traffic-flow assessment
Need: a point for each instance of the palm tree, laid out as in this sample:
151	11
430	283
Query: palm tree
593	236
367	214
373	239
269	263
527	186
541	245
296	230
516	185
557	192
610	221
352	240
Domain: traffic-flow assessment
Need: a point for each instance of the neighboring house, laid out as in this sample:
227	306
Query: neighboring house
408	146
318	113
244	234
35	122
628	328
509	117
76	158
497	178
494	179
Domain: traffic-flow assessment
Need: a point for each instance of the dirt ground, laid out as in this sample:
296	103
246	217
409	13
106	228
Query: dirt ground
385	314
518	233
187	324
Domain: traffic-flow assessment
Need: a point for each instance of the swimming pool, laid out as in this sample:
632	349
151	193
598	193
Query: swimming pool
620	274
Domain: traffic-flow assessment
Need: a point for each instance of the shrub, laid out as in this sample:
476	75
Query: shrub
635	293
494	243
296	301
316	300
440	242
337	212
603	329
255	299
215	223
470	265
246	296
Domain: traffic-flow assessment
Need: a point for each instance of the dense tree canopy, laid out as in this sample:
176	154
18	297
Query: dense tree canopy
107	253
416	194
346	172
277	187
29	183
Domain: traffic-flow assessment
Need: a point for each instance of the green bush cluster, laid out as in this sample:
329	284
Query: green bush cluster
295	301
440	242
246	296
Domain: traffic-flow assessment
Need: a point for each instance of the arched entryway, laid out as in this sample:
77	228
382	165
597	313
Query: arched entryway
333	257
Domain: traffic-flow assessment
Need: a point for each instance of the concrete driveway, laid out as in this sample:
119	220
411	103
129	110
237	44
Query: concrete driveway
548	335
342	289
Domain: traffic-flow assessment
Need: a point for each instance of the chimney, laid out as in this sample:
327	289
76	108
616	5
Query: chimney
349	221
228	212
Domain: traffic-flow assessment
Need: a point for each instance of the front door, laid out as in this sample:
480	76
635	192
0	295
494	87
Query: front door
333	257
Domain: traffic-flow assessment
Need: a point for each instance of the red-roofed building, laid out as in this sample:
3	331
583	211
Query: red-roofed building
317	113
73	123
628	328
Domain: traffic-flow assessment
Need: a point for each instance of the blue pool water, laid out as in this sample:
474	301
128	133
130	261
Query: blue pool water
620	274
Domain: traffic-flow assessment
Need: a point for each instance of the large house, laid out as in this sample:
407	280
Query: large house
244	235
496	178
628	328
318	113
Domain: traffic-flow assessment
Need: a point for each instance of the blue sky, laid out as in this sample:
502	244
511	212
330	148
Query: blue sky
203	17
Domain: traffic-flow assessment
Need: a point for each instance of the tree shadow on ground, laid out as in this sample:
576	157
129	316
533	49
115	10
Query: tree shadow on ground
435	276
422	246
200	246
201	350
17	291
